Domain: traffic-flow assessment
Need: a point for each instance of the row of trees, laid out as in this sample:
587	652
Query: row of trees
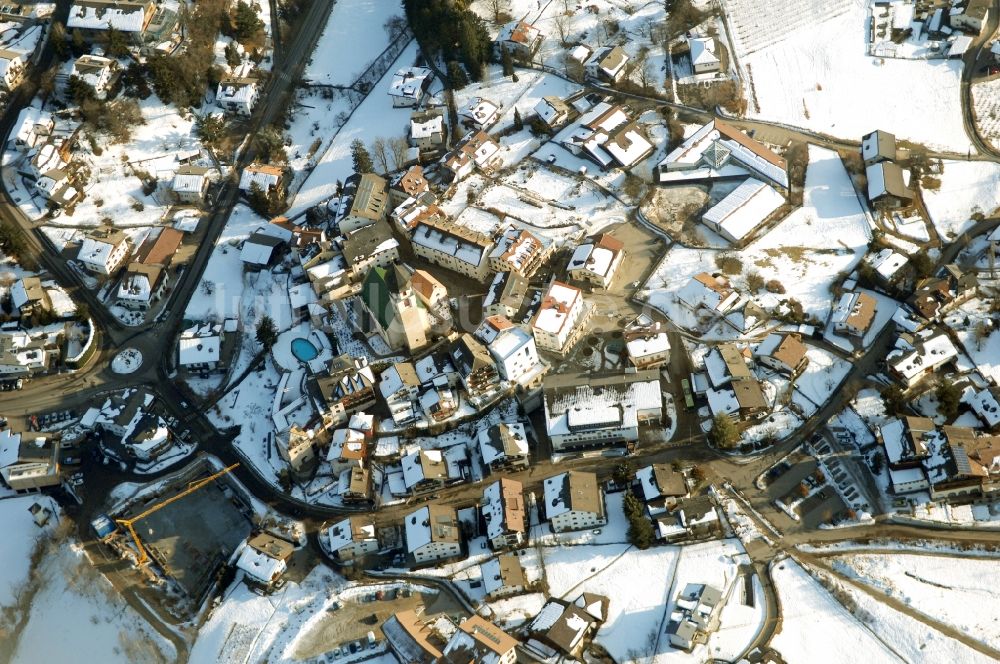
389	153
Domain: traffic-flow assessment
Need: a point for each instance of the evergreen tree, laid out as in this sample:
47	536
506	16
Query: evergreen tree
949	397
232	54
456	76
506	62
267	333
518	123
724	433
362	160
246	22
115	43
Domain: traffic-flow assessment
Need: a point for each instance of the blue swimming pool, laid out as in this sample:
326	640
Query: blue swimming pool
304	350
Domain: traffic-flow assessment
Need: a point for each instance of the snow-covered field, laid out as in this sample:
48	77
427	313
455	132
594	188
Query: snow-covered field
221	287
375	117
353	38
986	102
985	353
817	628
819	77
76	616
18	542
643	585
967	187
961	592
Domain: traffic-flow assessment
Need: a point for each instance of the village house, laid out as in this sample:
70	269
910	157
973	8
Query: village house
783	352
504	447
595	262
967	466
518	250
744	210
985	404
96	71
719	150
264	247
660	487
13	66
886	266
573	501
909	362
433	534
877	147
504	514
415	640
237	93
479	114
24	355
368	203
104	253
703	55
28	465
33	126
475	150
199	348
646	343
368	248
506	295
696	616
30	298
348	387
854	314
607	135
607	64
553	111
400	387
519	38
412	211
351	538
453	247
936	296
190	184
265	559
409	85
973	16
428	130
735	390
270	179
145	279
513	350
424	470
93	18
886	186
475	367
711	292
479	641
586	410
407	185
502	576
562	627
561	318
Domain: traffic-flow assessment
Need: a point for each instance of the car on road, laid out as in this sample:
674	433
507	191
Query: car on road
71	461
688	397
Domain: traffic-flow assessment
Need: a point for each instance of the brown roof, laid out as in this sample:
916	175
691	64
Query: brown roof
512	496
511	572
413	181
735	362
669	482
424	283
584	493
162	250
863	313
499	323
268	169
748	394
417	630
272	546
756	147
443	523
718	284
791	351
489	635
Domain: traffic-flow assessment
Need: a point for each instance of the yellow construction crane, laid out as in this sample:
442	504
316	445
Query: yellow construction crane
129	524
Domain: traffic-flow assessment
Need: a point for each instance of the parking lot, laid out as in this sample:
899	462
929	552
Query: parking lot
356	617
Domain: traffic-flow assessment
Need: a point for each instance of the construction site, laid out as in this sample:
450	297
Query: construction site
182	530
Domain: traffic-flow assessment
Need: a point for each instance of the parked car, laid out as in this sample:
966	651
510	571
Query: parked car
71	461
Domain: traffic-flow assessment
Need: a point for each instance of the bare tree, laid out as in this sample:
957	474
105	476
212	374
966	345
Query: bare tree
394	26
398	148
562	27
380	150
498	7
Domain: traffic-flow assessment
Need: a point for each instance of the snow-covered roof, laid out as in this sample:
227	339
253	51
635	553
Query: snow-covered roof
188	183
502	440
97	251
409	82
926	355
571	491
559	301
726	144
428	128
586	402
263	175
984	404
122	15
260	566
703	51
345	532
651	343
467	246
705	290
198	350
481	112
887	263
503	508
257	249
430	523
744	209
